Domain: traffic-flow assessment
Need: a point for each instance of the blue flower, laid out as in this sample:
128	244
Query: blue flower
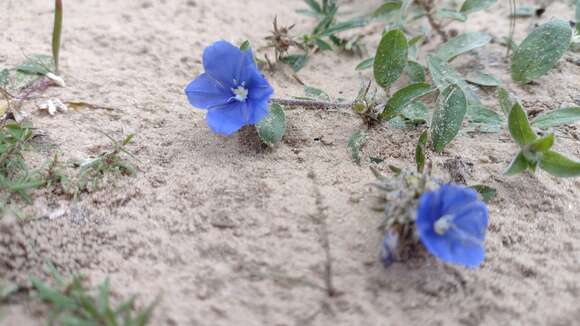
232	89
451	223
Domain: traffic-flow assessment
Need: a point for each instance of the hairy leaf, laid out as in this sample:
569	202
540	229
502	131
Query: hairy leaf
391	58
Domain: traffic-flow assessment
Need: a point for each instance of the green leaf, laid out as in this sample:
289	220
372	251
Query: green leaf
451	14
57	32
444	76
540	51
272	128
488	193
356	141
482	115
471	6
38	64
315	93
558	165
245	46
313	4
4	74
322	45
557	118
416	112
366	64
483	79
543	144
386	9
345	26
296	61
391	58
505	101
462	44
518	165
415	71
420	155
53	296
448	116
519	126
402	98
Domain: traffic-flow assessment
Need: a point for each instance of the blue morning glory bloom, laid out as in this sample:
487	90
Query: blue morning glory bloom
451	223
231	89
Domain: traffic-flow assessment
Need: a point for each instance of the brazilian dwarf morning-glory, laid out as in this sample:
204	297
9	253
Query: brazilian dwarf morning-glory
451	223
231	89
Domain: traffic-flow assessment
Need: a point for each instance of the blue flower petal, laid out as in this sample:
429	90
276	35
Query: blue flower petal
259	110
429	210
258	86
472	219
205	92
229	118
455	196
223	62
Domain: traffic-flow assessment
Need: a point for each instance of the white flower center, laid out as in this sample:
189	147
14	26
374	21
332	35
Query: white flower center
443	224
241	93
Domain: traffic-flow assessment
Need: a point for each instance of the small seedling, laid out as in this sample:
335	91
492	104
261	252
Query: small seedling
112	162
16	179
536	151
73	303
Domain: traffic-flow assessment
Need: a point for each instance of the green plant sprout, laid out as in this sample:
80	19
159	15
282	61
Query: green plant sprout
537	151
92	171
72	303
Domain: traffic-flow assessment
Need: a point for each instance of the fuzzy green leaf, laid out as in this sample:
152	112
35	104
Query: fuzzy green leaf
557	118
448	116
366	64
4	74
355	142
386	9
37	64
272	128
482	79
391	58
451	14
543	144
420	155
403	97
505	101
415	71
558	165
540	51
471	6
462	44
519	126
444	76
481	115
518	165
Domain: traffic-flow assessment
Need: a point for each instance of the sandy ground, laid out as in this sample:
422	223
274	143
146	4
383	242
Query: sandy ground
226	231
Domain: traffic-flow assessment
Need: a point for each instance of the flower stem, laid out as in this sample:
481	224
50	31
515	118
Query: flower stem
307	104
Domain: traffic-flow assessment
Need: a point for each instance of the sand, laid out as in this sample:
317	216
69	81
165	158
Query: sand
230	233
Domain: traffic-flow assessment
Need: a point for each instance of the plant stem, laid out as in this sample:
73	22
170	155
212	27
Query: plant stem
307	104
56	32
